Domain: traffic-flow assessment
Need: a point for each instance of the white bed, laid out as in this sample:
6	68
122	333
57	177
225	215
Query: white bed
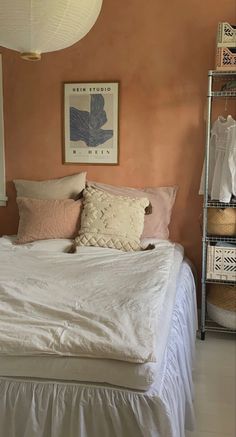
47	396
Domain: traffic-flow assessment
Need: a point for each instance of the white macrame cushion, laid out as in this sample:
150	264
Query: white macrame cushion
111	221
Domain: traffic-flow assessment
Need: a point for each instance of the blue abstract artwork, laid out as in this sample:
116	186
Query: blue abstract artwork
87	125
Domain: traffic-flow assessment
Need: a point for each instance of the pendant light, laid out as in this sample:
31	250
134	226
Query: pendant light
32	27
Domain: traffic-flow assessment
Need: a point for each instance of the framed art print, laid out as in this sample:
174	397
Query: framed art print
91	123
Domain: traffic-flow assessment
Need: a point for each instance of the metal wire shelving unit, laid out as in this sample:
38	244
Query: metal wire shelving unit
215	79
215	204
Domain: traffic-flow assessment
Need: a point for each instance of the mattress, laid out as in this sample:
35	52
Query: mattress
34	407
120	373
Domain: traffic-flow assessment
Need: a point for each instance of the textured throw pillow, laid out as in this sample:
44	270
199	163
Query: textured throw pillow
162	200
111	221
63	188
46	219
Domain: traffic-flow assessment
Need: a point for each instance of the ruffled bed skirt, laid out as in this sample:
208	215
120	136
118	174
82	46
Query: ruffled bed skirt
30	408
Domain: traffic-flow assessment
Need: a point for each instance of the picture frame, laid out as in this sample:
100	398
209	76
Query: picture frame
91	123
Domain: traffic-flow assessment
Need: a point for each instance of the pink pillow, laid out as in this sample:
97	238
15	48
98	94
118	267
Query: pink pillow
162	200
46	219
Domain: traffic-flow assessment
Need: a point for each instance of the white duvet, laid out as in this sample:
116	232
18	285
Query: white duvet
98	303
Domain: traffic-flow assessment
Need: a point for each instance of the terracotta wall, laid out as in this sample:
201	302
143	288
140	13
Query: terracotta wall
160	52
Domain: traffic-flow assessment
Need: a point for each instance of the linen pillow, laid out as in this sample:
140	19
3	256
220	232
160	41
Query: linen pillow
162	200
111	221
46	219
63	188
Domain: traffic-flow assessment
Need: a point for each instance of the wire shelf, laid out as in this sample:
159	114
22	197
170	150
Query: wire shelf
215	238
216	204
217	73
220	85
222	94
220	281
213	327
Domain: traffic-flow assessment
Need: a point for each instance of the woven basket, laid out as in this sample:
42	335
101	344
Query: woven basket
223	296
221	305
221	221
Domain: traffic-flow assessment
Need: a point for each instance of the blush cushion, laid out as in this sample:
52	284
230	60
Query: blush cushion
47	219
162	200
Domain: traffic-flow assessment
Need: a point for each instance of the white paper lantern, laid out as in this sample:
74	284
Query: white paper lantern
33	27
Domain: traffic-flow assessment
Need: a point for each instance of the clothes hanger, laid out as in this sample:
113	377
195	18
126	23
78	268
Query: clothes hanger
226	105
226	118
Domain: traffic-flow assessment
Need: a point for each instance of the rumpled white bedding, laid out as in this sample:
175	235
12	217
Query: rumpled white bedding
115	372
31	408
100	303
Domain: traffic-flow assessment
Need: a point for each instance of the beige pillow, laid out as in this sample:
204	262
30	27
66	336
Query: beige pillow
111	221
63	188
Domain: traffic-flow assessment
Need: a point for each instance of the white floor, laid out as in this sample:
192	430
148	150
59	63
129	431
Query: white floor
215	386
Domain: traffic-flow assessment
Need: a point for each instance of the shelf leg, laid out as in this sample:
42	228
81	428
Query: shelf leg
204	244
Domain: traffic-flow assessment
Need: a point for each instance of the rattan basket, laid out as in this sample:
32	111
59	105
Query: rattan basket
221	305
223	296
221	222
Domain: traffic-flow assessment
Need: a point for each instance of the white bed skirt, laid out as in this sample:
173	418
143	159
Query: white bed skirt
30	408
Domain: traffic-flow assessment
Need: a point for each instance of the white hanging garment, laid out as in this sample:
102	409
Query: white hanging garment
230	163
221	160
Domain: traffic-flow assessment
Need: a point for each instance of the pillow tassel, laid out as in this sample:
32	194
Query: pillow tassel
149	247
72	248
148	209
